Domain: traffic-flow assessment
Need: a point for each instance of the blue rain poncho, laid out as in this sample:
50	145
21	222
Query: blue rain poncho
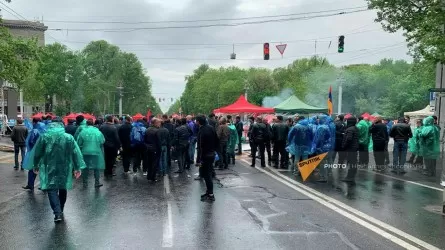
31	140
90	141
55	155
429	139
323	136
300	139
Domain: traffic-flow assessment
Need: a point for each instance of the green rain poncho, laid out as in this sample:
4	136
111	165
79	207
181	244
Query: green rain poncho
363	132
90	141
56	155
82	125
233	141
429	139
414	142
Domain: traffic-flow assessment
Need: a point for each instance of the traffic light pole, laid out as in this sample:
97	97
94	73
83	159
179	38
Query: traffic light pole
340	92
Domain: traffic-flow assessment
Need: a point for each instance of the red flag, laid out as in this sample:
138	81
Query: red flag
148	114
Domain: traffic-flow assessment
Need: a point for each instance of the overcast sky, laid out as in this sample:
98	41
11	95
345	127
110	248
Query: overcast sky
167	65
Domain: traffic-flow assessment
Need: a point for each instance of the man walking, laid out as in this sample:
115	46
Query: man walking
31	140
56	157
138	145
239	128
192	145
401	132
124	132
182	136
223	133
153	147
18	136
90	141
258	136
280	132
164	140
171	129
207	144
111	145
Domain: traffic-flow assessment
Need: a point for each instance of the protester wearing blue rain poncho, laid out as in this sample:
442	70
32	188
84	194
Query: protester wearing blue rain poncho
300	142
38	129
323	143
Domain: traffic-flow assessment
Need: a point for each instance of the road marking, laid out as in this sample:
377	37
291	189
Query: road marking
167	236
343	209
400	179
167	184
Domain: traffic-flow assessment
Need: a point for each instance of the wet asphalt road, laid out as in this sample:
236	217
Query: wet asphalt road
252	211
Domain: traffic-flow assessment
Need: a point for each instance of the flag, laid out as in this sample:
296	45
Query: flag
330	104
148	114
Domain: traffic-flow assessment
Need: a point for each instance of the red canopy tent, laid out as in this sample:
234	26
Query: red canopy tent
243	106
137	116
38	115
68	117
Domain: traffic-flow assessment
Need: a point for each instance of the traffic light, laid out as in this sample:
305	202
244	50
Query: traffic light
341	44
266	51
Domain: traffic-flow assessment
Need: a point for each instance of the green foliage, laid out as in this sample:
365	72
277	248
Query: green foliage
17	56
174	108
420	20
389	87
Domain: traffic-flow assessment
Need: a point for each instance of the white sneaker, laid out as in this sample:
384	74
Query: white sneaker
145	173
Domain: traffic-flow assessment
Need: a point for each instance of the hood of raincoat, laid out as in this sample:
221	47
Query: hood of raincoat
323	119
138	124
429	139
363	132
300	139
428	121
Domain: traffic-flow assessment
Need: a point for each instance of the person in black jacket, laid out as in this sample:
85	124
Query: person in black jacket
153	148
207	144
379	133
279	134
70	128
171	129
182	137
350	146
249	134
18	136
239	128
258	134
267	141
401	132
124	132
164	140
111	145
340	128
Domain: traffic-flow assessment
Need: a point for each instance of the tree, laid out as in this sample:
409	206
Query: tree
174	108
17	56
420	21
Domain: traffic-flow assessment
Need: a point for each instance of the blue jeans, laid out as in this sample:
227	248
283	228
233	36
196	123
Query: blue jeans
17	149
399	154
163	160
86	174
31	179
192	149
294	166
57	199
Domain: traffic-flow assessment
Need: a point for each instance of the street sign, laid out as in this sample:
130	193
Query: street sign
281	48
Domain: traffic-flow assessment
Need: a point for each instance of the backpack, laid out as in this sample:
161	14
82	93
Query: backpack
137	135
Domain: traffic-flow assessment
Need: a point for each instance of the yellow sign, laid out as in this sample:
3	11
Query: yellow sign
307	166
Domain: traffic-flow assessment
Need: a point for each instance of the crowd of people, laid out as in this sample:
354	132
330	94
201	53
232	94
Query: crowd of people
347	142
56	152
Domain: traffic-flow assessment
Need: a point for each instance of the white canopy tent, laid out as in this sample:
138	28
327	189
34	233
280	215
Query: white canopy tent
419	114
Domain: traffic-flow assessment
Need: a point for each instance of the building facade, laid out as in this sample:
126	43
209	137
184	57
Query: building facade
11	102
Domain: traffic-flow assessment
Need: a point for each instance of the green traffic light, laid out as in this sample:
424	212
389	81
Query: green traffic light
340	49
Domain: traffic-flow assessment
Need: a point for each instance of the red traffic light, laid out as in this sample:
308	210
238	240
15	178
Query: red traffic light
266	51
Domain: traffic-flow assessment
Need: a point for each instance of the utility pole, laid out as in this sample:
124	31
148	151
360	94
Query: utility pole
21	104
120	88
